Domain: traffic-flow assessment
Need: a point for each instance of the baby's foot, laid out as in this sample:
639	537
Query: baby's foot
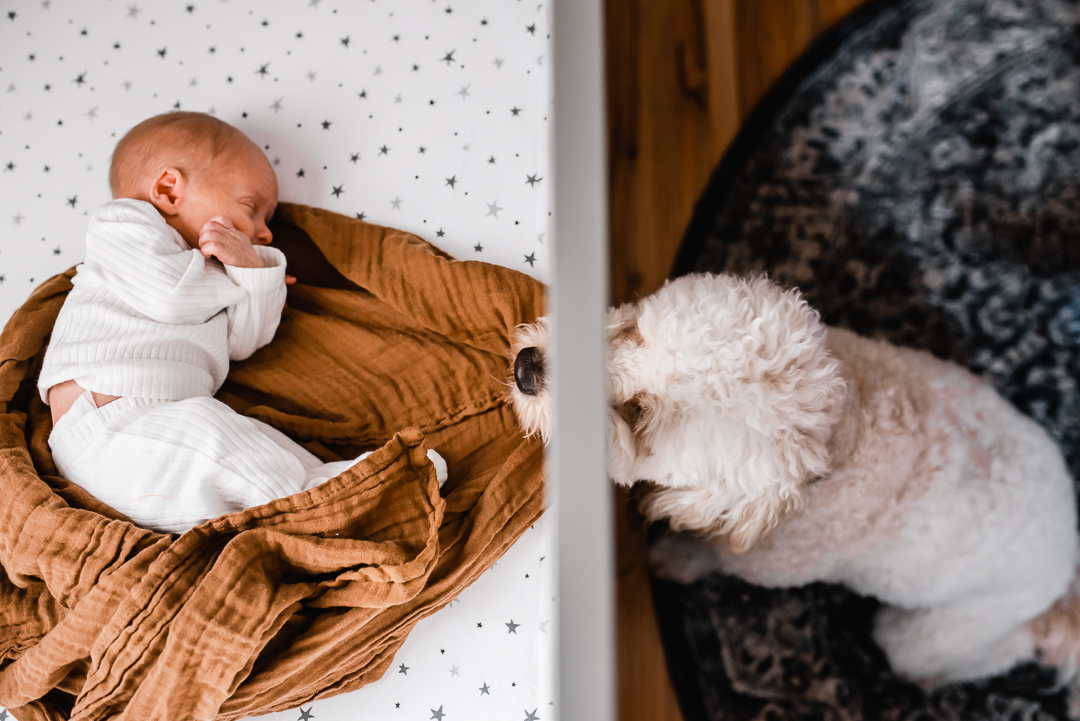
440	466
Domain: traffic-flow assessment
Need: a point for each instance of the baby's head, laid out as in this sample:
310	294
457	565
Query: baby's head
193	167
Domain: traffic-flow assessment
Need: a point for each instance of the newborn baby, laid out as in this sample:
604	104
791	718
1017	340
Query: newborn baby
178	280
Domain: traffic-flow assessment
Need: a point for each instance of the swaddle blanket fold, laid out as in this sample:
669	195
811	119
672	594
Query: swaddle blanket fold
387	343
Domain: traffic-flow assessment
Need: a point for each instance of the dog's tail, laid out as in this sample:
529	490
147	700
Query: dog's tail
1056	634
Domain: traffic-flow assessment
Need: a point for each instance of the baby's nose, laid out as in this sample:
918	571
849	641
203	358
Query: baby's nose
263	236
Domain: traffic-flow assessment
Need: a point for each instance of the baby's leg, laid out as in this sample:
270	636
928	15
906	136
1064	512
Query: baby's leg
170	466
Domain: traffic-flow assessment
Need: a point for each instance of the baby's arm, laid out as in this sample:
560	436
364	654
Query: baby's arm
260	272
150	268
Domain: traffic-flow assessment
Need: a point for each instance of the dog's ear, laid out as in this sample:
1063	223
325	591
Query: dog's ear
757	518
718	511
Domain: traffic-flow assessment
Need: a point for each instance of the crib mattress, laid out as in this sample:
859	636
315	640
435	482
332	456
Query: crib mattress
427	116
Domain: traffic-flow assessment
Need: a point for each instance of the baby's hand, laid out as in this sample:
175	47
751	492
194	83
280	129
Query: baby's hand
220	239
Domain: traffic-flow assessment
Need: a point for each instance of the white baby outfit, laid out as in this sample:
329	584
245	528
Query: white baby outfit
153	321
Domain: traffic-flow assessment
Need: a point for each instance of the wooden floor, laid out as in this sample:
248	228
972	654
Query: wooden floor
681	75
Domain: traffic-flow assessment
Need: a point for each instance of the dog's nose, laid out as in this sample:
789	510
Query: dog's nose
529	371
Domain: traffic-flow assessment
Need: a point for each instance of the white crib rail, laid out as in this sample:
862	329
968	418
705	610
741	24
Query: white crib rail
578	480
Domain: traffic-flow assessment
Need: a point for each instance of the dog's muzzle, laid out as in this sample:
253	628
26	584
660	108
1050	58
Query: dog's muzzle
529	371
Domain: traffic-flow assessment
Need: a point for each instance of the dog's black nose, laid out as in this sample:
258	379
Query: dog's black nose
529	371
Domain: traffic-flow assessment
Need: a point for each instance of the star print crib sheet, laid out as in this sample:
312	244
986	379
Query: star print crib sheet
425	116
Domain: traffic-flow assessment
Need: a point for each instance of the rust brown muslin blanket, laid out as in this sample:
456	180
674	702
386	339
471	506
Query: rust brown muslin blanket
386	343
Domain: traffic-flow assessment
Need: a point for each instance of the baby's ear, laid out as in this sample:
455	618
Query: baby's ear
167	191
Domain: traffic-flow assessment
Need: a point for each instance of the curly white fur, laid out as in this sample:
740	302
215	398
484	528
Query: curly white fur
802	453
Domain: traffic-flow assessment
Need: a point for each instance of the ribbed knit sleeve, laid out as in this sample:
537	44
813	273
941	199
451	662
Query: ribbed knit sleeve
254	320
149	317
150	267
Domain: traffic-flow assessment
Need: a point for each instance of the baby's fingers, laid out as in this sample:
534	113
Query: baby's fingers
209	247
218	220
290	279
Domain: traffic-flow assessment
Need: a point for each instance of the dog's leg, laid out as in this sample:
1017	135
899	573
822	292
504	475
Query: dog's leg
959	642
682	558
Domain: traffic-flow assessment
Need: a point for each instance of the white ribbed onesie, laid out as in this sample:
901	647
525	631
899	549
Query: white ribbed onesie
155	322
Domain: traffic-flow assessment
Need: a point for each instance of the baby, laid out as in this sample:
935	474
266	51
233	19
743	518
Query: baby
178	280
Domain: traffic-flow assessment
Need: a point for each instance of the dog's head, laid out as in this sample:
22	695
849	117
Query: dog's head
723	396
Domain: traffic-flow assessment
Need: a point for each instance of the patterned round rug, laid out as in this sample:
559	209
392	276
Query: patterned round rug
917	175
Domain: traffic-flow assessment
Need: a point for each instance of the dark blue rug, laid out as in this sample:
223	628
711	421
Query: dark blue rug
917	176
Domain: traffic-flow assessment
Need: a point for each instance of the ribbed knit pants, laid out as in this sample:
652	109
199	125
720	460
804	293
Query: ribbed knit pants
171	465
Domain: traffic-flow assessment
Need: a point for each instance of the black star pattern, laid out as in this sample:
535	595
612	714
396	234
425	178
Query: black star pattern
363	93
353	157
11	15
451	181
530	259
337	191
515	111
491	160
161	52
449	57
531	28
513	627
423	149
361	216
532	180
479	625
11	166
80	79
305	715
300	173
384	150
72	200
190	8
478	248
485	689
437	714
263	70
345	41
531	715
403	669
326	125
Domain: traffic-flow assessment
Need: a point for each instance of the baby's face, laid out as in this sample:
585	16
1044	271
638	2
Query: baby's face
240	185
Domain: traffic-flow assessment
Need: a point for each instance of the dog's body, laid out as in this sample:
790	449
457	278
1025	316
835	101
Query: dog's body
817	455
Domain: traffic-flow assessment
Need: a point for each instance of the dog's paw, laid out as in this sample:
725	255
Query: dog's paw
682	558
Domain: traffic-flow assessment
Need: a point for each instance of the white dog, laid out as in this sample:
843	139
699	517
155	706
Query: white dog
802	453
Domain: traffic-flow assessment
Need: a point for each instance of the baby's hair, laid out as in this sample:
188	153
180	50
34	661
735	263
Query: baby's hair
182	140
